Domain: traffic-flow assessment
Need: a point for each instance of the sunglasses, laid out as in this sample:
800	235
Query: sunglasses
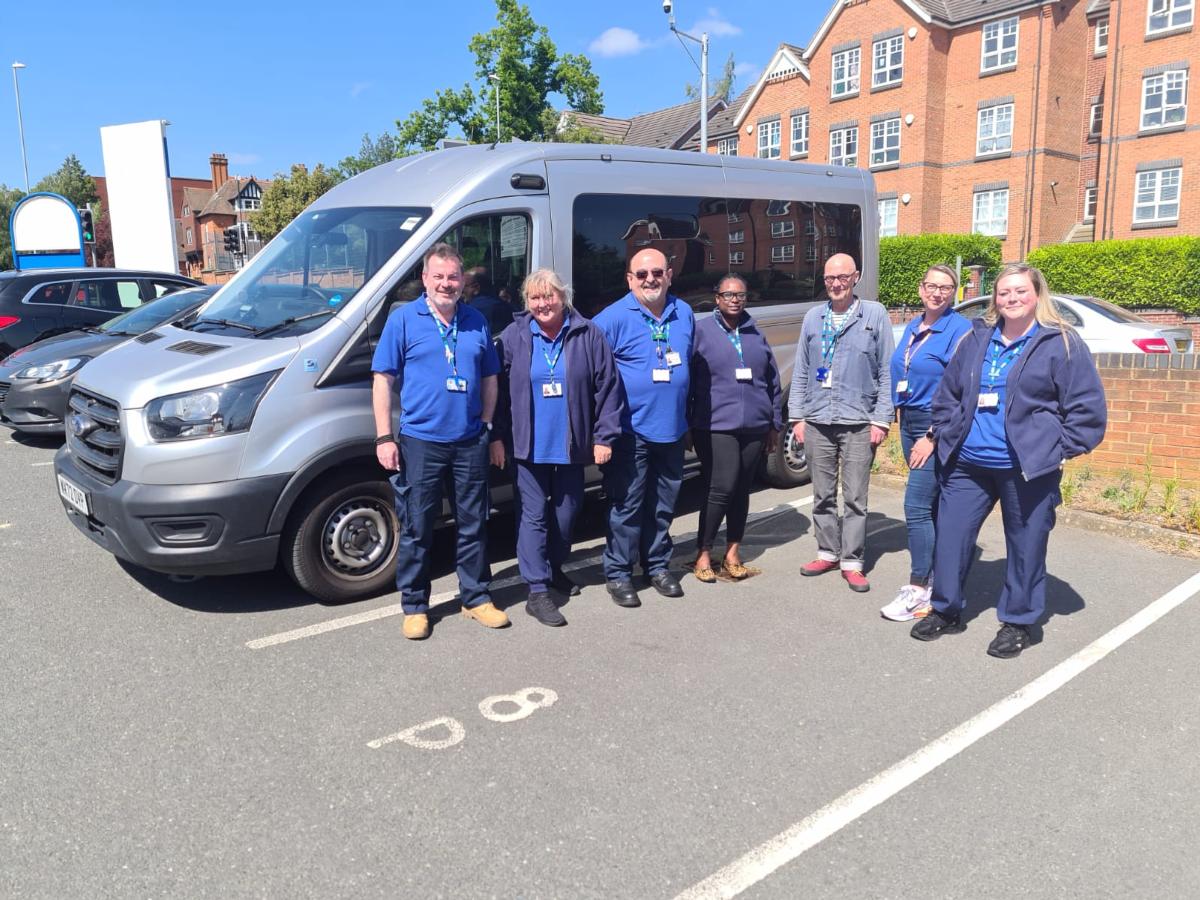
641	274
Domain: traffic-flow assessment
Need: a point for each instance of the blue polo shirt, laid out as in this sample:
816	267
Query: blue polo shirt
412	350
656	410
987	443
927	360
551	428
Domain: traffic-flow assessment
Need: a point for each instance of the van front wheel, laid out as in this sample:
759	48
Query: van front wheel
340	543
787	467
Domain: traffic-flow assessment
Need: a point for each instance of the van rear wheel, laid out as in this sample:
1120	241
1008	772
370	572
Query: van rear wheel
340	543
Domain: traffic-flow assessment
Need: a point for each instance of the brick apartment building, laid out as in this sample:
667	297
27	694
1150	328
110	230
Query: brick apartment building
1037	121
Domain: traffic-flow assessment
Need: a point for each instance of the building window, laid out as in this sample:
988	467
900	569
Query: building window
1157	197
727	146
810	228
1164	99
737	257
888	212
1089	204
800	134
810	252
991	213
1102	36
737	237
187	237
885	142
733	218
783	253
187	210
845	72
1167	15
783	229
843	146
994	132
888	61
768	140
1096	120
999	45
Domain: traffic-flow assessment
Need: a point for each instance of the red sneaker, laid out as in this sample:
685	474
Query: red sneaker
856	580
818	567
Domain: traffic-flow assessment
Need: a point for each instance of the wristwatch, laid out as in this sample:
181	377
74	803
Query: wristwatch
487	425
930	435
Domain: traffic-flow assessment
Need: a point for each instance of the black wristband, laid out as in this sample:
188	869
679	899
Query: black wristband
384	439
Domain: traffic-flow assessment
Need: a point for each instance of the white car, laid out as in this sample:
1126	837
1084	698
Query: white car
1104	327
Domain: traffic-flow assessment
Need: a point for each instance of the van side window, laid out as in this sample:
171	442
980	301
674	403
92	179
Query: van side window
778	246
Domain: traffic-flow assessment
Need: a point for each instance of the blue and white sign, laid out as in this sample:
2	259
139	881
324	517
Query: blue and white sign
46	233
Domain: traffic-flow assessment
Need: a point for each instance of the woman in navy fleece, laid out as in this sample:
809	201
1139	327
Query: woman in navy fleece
1020	397
734	416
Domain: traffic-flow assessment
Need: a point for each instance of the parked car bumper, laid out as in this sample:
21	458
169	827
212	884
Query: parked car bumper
34	408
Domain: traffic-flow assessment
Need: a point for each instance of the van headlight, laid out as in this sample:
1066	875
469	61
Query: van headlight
222	409
51	371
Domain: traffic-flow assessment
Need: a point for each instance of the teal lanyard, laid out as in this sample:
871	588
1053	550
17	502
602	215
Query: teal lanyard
1000	360
735	338
559	343
830	336
660	333
449	336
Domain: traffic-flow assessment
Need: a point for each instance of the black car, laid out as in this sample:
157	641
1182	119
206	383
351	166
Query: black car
41	303
35	381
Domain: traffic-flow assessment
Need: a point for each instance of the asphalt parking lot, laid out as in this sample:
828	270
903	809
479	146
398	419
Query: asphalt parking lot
230	737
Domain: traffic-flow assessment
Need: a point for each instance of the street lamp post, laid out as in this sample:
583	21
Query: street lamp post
668	8
20	123
495	78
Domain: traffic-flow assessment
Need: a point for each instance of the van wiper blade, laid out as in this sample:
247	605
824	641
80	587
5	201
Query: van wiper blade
292	320
228	323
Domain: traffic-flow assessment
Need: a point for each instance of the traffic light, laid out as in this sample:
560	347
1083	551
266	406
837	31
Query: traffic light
89	231
233	242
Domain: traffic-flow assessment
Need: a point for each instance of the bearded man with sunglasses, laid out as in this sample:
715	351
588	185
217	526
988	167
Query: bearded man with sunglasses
650	332
841	404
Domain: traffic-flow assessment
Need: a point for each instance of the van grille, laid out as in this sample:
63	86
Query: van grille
94	435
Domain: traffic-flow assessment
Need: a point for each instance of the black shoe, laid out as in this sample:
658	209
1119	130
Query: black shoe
934	625
1009	641
666	584
623	594
562	583
541	606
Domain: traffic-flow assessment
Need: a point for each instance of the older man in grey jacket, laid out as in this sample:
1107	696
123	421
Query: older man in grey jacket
841	403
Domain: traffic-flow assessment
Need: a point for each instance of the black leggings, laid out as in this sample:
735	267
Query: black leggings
728	461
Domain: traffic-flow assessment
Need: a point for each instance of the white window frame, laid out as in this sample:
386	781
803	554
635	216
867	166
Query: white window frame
840	139
800	134
783	253
986	221
892	73
889	216
733	218
884	150
1089	203
1153	181
783	228
1184	10
1101	40
1096	119
849	82
810	252
1001	29
810	227
737	257
727	146
187	236
737	237
1000	142
769	139
1173	81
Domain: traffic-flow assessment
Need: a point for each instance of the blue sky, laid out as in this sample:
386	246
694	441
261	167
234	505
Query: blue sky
270	83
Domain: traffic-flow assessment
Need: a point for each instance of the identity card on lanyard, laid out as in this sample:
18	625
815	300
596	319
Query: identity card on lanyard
553	388
742	372
454	382
998	361
829	339
667	359
910	351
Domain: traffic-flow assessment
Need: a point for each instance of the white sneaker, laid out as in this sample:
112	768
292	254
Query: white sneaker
911	603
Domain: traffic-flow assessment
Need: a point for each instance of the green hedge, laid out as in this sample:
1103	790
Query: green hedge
903	260
1141	273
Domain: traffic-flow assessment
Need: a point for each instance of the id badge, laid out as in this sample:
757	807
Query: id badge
743	374
456	384
554	389
660	375
901	387
674	359
989	400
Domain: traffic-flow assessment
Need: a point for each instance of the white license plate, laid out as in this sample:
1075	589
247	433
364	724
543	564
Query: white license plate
73	494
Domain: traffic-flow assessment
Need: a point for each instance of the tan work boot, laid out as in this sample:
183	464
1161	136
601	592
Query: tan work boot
416	627
487	614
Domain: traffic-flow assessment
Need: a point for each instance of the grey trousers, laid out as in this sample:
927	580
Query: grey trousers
848	448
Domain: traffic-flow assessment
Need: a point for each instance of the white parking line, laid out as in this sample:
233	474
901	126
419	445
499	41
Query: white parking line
39	465
772	855
383	612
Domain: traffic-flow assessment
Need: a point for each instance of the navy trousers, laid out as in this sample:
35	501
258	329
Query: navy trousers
425	468
642	483
968	494
550	496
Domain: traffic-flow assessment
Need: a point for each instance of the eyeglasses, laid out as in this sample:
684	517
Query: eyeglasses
732	295
839	279
641	274
943	289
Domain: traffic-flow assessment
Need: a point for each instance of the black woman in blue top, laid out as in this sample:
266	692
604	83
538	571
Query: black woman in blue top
920	360
735	415
1020	397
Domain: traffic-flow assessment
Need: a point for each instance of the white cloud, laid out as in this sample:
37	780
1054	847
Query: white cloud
244	159
358	87
747	70
716	25
617	42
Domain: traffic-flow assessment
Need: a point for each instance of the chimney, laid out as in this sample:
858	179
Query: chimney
220	170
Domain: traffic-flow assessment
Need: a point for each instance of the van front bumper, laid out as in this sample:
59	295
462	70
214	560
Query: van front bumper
179	529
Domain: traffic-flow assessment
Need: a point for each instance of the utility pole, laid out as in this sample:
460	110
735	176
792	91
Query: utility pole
494	77
20	122
668	8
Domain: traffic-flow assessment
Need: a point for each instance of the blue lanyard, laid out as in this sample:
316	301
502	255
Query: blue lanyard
735	338
449	336
559	342
914	341
660	333
999	360
829	337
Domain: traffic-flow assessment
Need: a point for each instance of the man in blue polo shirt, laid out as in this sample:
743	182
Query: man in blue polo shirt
442	354
650	333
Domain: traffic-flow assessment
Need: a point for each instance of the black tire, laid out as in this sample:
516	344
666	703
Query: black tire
340	540
787	467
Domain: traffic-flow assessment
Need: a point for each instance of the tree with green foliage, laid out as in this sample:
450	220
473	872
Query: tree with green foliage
71	181
8	199
722	90
372	153
904	259
529	69
290	195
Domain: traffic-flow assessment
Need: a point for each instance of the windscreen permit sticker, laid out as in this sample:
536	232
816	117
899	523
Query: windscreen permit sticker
410	223
335	299
310	365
